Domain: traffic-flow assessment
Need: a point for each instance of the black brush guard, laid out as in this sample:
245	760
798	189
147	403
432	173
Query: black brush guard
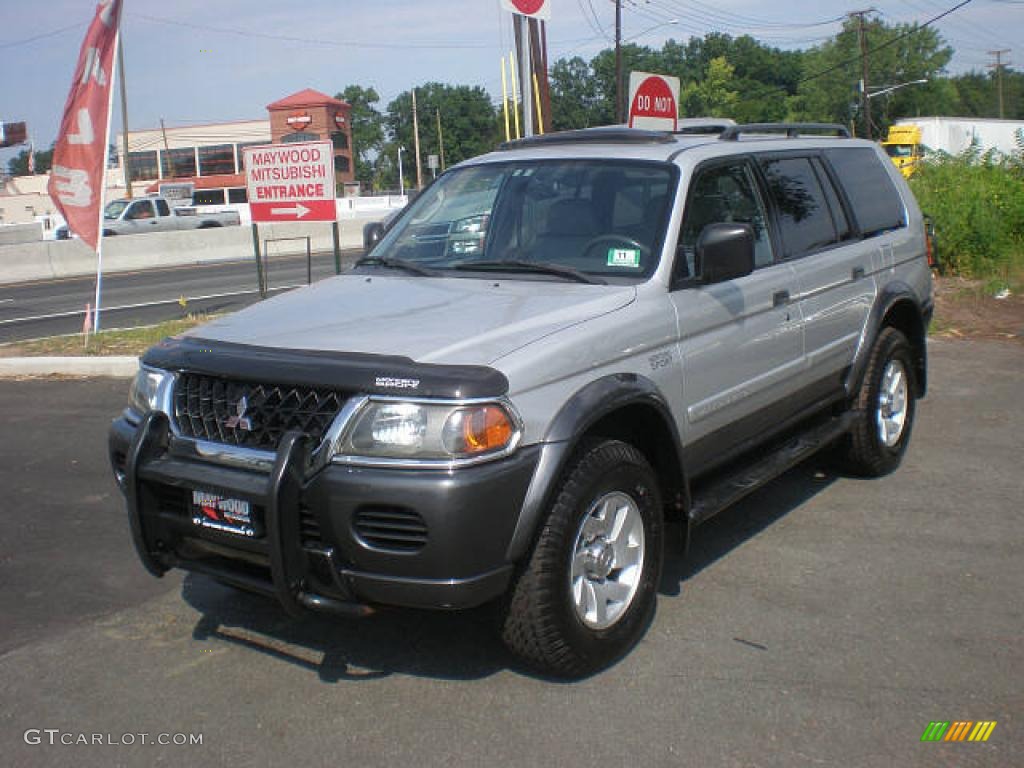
290	564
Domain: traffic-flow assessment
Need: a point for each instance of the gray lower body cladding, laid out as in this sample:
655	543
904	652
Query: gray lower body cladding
345	536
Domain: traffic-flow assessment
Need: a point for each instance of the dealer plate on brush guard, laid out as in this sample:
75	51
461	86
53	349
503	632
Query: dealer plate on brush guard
210	510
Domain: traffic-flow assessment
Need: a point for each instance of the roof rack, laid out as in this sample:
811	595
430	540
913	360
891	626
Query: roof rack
792	130
612	135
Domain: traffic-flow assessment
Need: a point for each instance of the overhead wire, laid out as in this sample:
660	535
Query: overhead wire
42	35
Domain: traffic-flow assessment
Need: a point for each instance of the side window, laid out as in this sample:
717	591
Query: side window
162	208
839	219
141	209
804	219
723	193
876	204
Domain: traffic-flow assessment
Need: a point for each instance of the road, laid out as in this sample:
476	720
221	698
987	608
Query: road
53	307
823	621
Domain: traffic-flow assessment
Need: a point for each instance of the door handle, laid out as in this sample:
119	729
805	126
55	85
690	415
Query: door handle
780	298
858	273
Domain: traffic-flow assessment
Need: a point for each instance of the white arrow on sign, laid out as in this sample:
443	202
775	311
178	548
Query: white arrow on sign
298	211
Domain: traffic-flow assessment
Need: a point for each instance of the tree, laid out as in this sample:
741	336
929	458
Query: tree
469	122
976	94
583	94
575	99
898	53
367	130
18	165
715	94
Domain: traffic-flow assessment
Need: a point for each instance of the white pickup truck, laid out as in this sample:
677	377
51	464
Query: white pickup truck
155	214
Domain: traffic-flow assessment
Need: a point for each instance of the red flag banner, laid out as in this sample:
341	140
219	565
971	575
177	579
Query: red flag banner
77	175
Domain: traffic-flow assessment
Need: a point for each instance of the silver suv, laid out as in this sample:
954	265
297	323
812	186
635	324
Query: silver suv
558	347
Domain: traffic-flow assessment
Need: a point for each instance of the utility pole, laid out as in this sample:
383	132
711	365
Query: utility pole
539	54
416	142
440	138
865	102
997	65
167	150
618	62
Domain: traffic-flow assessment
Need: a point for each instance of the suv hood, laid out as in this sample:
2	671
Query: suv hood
466	321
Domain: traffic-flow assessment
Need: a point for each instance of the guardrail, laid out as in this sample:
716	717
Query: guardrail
49	259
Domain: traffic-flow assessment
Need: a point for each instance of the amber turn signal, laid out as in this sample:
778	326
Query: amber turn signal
476	430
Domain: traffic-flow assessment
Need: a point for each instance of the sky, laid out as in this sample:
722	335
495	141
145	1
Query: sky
199	61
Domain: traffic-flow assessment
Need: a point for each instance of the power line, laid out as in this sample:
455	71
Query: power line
917	28
841	65
43	35
310	41
713	16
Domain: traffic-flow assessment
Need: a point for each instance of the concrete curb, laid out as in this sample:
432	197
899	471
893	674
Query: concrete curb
109	367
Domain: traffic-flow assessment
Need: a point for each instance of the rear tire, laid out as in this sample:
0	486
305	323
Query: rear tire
586	593
885	407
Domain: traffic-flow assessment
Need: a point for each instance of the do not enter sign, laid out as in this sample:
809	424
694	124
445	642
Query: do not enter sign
537	9
291	182
653	101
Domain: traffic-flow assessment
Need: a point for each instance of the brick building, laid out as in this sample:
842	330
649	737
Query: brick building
210	155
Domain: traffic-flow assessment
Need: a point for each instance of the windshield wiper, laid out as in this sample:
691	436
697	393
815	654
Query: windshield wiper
403	264
540	267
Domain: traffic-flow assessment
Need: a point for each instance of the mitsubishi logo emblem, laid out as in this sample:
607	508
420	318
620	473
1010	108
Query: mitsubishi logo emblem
240	420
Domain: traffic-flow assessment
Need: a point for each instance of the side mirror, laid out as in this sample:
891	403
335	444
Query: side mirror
725	251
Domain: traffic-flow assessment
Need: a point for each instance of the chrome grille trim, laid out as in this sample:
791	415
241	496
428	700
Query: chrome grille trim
204	407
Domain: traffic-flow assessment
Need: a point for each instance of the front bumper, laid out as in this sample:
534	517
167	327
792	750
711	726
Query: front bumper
343	538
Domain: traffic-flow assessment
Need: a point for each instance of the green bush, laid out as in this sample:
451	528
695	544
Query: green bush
977	204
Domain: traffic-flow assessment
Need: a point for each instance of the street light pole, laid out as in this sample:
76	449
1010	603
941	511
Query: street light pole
891	88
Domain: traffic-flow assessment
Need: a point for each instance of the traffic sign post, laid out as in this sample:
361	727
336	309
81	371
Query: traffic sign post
653	101
290	182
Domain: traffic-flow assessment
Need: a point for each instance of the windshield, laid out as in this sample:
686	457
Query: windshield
114	209
598	217
900	150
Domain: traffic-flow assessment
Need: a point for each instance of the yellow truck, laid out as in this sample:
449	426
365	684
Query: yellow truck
910	138
904	146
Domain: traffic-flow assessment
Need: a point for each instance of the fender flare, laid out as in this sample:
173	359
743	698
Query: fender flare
580	412
892	294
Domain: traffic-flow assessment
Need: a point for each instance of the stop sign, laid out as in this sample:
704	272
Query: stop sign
538	9
653	101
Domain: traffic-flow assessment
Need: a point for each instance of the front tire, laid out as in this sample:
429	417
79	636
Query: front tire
885	407
587	591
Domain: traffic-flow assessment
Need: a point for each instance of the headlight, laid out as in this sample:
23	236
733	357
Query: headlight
147	390
430	432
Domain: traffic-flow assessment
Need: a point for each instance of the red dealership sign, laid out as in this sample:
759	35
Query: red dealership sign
291	182
76	179
537	9
298	120
653	101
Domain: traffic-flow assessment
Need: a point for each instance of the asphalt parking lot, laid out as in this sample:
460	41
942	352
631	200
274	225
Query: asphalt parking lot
824	621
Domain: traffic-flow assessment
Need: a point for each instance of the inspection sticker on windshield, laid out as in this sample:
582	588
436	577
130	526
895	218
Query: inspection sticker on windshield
624	257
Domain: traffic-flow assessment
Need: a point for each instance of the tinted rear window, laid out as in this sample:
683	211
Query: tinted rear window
804	218
876	204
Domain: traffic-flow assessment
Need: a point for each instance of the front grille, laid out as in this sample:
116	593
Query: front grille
395	529
212	408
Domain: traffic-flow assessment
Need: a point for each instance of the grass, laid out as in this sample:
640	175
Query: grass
130	341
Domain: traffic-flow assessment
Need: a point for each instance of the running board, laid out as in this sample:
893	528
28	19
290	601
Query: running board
726	490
